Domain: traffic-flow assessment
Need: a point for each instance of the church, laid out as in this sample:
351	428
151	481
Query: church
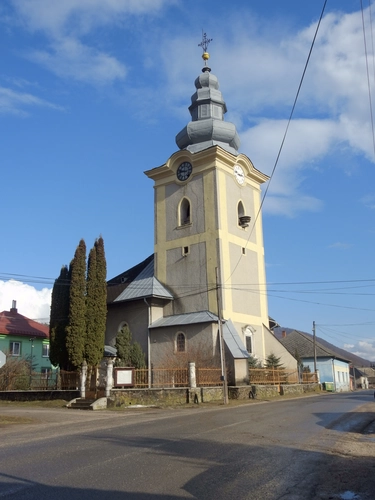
208	265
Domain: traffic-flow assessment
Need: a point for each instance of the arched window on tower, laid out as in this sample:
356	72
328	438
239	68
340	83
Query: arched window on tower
243	220
180	342
184	215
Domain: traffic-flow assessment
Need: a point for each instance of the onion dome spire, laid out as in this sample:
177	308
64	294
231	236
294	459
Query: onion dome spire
207	110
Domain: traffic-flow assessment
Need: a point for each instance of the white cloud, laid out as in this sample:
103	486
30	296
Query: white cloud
364	349
66	22
32	303
69	58
14	102
348	346
306	142
56	18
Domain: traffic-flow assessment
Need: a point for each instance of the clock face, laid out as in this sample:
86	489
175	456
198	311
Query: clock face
239	174
184	171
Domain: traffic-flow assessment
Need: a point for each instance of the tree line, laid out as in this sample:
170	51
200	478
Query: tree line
79	310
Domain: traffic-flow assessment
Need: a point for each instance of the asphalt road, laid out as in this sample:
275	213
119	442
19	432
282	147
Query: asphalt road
305	448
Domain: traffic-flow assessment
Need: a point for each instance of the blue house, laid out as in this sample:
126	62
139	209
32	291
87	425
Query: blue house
333	369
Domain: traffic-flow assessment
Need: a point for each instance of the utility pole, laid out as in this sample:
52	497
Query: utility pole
31	360
314	343
222	346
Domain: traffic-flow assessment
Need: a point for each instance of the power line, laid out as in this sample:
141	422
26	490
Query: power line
45	280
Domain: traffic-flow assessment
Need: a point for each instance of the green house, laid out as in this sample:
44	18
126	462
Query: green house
22	337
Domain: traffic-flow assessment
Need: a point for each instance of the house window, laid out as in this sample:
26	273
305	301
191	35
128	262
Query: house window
15	348
46	372
45	350
180	342
184	216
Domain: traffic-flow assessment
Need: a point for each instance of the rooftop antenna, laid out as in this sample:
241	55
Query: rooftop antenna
205	56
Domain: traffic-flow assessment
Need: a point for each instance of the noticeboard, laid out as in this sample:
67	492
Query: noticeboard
124	377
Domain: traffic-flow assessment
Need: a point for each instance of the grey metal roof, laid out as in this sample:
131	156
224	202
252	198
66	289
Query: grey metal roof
109	351
185	319
230	335
144	285
233	341
303	344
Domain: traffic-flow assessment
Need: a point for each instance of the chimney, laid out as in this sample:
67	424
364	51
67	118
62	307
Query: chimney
283	334
14	306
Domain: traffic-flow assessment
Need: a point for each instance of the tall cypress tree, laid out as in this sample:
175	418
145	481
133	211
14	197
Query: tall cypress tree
90	351
59	319
76	330
101	283
96	303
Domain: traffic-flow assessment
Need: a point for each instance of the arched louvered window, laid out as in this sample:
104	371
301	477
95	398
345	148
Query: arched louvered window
184	215
243	220
240	209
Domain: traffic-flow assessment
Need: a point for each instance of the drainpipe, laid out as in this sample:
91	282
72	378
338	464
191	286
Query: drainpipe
148	341
334	376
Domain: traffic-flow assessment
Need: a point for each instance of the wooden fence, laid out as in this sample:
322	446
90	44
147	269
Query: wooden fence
264	376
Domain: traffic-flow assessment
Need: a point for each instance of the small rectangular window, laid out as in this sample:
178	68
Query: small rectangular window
185	250
243	251
46	372
15	348
45	350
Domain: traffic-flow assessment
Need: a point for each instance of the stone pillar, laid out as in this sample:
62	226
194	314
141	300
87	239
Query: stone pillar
109	381
192	375
83	379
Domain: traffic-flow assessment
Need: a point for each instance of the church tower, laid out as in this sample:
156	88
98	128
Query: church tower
208	221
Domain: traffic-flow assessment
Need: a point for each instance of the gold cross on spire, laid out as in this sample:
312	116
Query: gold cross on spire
204	44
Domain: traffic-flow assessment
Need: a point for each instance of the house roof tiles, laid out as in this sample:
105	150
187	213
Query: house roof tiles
13	323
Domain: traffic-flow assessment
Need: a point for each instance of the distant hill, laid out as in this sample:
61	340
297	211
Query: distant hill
356	360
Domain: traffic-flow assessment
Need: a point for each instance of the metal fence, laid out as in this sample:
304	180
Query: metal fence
210	377
155	378
179	377
40	381
160	378
264	376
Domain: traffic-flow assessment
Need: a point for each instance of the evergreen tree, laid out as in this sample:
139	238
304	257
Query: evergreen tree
254	362
124	347
96	304
137	356
90	351
76	330
59	319
272	361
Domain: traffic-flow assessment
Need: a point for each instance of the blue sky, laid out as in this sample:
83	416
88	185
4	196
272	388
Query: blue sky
93	93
